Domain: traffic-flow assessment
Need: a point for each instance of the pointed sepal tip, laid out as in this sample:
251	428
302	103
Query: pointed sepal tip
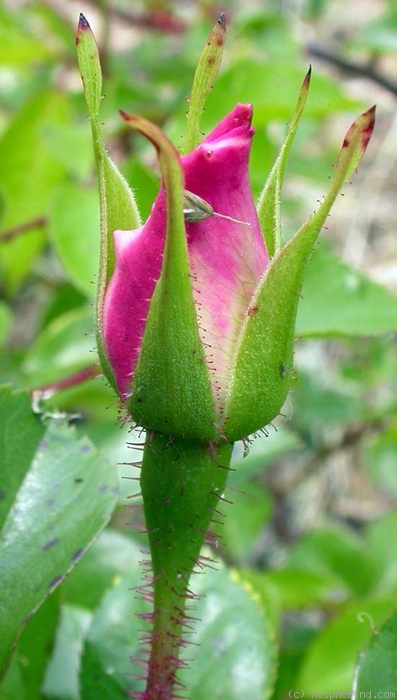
83	23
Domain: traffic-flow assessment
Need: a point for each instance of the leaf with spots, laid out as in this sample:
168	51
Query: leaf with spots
54	511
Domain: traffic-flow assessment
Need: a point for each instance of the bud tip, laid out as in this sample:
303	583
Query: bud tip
83	23
369	126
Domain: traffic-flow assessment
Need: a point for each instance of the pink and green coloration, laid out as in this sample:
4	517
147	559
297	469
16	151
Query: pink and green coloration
226	261
195	320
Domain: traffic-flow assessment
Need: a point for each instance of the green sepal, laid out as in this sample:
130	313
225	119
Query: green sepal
264	358
204	78
117	204
171	390
269	204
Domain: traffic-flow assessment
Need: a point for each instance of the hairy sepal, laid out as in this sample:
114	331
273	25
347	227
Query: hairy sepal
204	78
171	391
269	203
263	366
118	208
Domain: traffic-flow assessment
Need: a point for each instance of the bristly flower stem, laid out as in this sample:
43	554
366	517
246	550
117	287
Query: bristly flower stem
181	486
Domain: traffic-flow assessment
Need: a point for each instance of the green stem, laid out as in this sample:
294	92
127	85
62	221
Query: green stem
181	486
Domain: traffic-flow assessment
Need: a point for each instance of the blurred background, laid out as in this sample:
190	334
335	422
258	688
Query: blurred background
314	507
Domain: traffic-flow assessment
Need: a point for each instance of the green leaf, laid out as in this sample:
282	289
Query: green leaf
320	406
330	661
65	499
33	651
112	555
242	521
16	418
12	687
299	589
64	347
5	322
172	362
61	680
204	78
263	364
112	640
146	183
326	551
269	204
69	144
380	459
265	593
19	46
117	204
376	671
381	537
338	300
74	229
235	655
29	174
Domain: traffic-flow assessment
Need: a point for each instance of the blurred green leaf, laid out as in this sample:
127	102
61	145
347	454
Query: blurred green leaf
111	555
338	300
65	346
69	143
144	182
263	451
112	640
381	536
18	44
5	322
26	672
266	593
75	232
380	458
323	406
337	553
29	174
61	679
63	299
329	664
300	589
242	520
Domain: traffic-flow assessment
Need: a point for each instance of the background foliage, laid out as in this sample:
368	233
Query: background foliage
308	548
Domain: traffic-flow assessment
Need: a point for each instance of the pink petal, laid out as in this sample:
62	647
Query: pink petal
227	259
